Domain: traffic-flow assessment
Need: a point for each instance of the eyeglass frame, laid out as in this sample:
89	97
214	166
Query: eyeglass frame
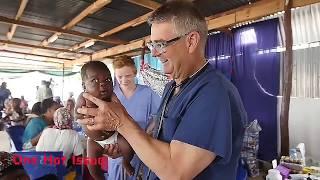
163	43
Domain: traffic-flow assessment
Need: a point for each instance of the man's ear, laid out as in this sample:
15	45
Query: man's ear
193	41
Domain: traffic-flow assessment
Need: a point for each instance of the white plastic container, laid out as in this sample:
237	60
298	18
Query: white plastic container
273	174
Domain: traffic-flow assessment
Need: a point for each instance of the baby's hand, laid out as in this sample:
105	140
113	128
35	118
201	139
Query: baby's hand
112	150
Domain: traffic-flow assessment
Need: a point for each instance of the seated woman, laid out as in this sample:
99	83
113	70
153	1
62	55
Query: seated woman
16	118
13	112
61	137
36	125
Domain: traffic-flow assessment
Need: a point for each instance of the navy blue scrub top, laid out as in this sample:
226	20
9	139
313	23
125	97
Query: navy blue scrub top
207	113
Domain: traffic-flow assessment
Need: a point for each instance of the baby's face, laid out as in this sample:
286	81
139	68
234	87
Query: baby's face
99	84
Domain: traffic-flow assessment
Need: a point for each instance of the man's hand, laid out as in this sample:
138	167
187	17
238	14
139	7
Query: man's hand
108	116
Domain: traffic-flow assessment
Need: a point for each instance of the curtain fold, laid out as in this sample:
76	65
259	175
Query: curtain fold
256	75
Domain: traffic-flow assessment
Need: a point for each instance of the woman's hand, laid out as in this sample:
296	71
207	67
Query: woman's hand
112	150
108	116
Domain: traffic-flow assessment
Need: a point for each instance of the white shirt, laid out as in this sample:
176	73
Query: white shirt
43	93
66	140
5	140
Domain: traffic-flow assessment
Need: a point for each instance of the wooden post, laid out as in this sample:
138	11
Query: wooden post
143	52
287	81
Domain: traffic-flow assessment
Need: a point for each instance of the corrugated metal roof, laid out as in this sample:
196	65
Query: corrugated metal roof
31	33
111	16
57	13
133	33
68	39
53	12
4	29
9	8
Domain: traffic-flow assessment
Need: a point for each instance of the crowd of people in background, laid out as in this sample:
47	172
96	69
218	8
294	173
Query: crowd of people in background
50	125
25	129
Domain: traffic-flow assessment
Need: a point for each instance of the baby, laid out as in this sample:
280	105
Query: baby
97	81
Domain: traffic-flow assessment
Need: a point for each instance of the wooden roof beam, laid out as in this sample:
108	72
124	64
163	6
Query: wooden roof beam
41	47
39	55
120	49
253	11
126	25
12	65
93	8
13	28
146	3
108	40
248	12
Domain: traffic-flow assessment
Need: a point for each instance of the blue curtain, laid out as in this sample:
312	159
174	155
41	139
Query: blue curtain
220	52
256	75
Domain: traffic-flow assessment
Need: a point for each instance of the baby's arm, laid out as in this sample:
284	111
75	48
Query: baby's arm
127	153
94	152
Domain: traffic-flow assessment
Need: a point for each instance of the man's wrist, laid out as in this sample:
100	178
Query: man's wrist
124	123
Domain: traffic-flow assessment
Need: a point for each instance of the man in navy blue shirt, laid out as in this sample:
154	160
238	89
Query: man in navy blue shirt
201	117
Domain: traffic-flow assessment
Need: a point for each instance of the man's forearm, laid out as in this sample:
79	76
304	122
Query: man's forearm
153	153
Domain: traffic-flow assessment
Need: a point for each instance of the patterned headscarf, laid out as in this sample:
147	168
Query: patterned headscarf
6	163
62	119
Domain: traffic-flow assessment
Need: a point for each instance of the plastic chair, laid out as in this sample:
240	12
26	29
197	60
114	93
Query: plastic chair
16	134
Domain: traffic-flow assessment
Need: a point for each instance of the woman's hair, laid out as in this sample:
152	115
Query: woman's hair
16	105
36	108
184	16
123	61
47	104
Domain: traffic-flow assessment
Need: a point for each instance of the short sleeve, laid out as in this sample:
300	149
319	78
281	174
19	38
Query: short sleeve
32	130
78	148
207	122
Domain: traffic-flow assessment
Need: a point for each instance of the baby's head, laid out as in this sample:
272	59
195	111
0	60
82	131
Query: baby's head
62	119
96	80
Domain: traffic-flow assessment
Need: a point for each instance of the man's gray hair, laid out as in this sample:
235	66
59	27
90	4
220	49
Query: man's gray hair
184	16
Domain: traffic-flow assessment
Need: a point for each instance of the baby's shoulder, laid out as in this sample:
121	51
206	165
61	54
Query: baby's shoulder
80	100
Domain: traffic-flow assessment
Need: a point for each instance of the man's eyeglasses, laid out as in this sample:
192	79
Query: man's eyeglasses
160	46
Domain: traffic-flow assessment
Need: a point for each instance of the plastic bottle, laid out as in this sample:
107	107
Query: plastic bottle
273	174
